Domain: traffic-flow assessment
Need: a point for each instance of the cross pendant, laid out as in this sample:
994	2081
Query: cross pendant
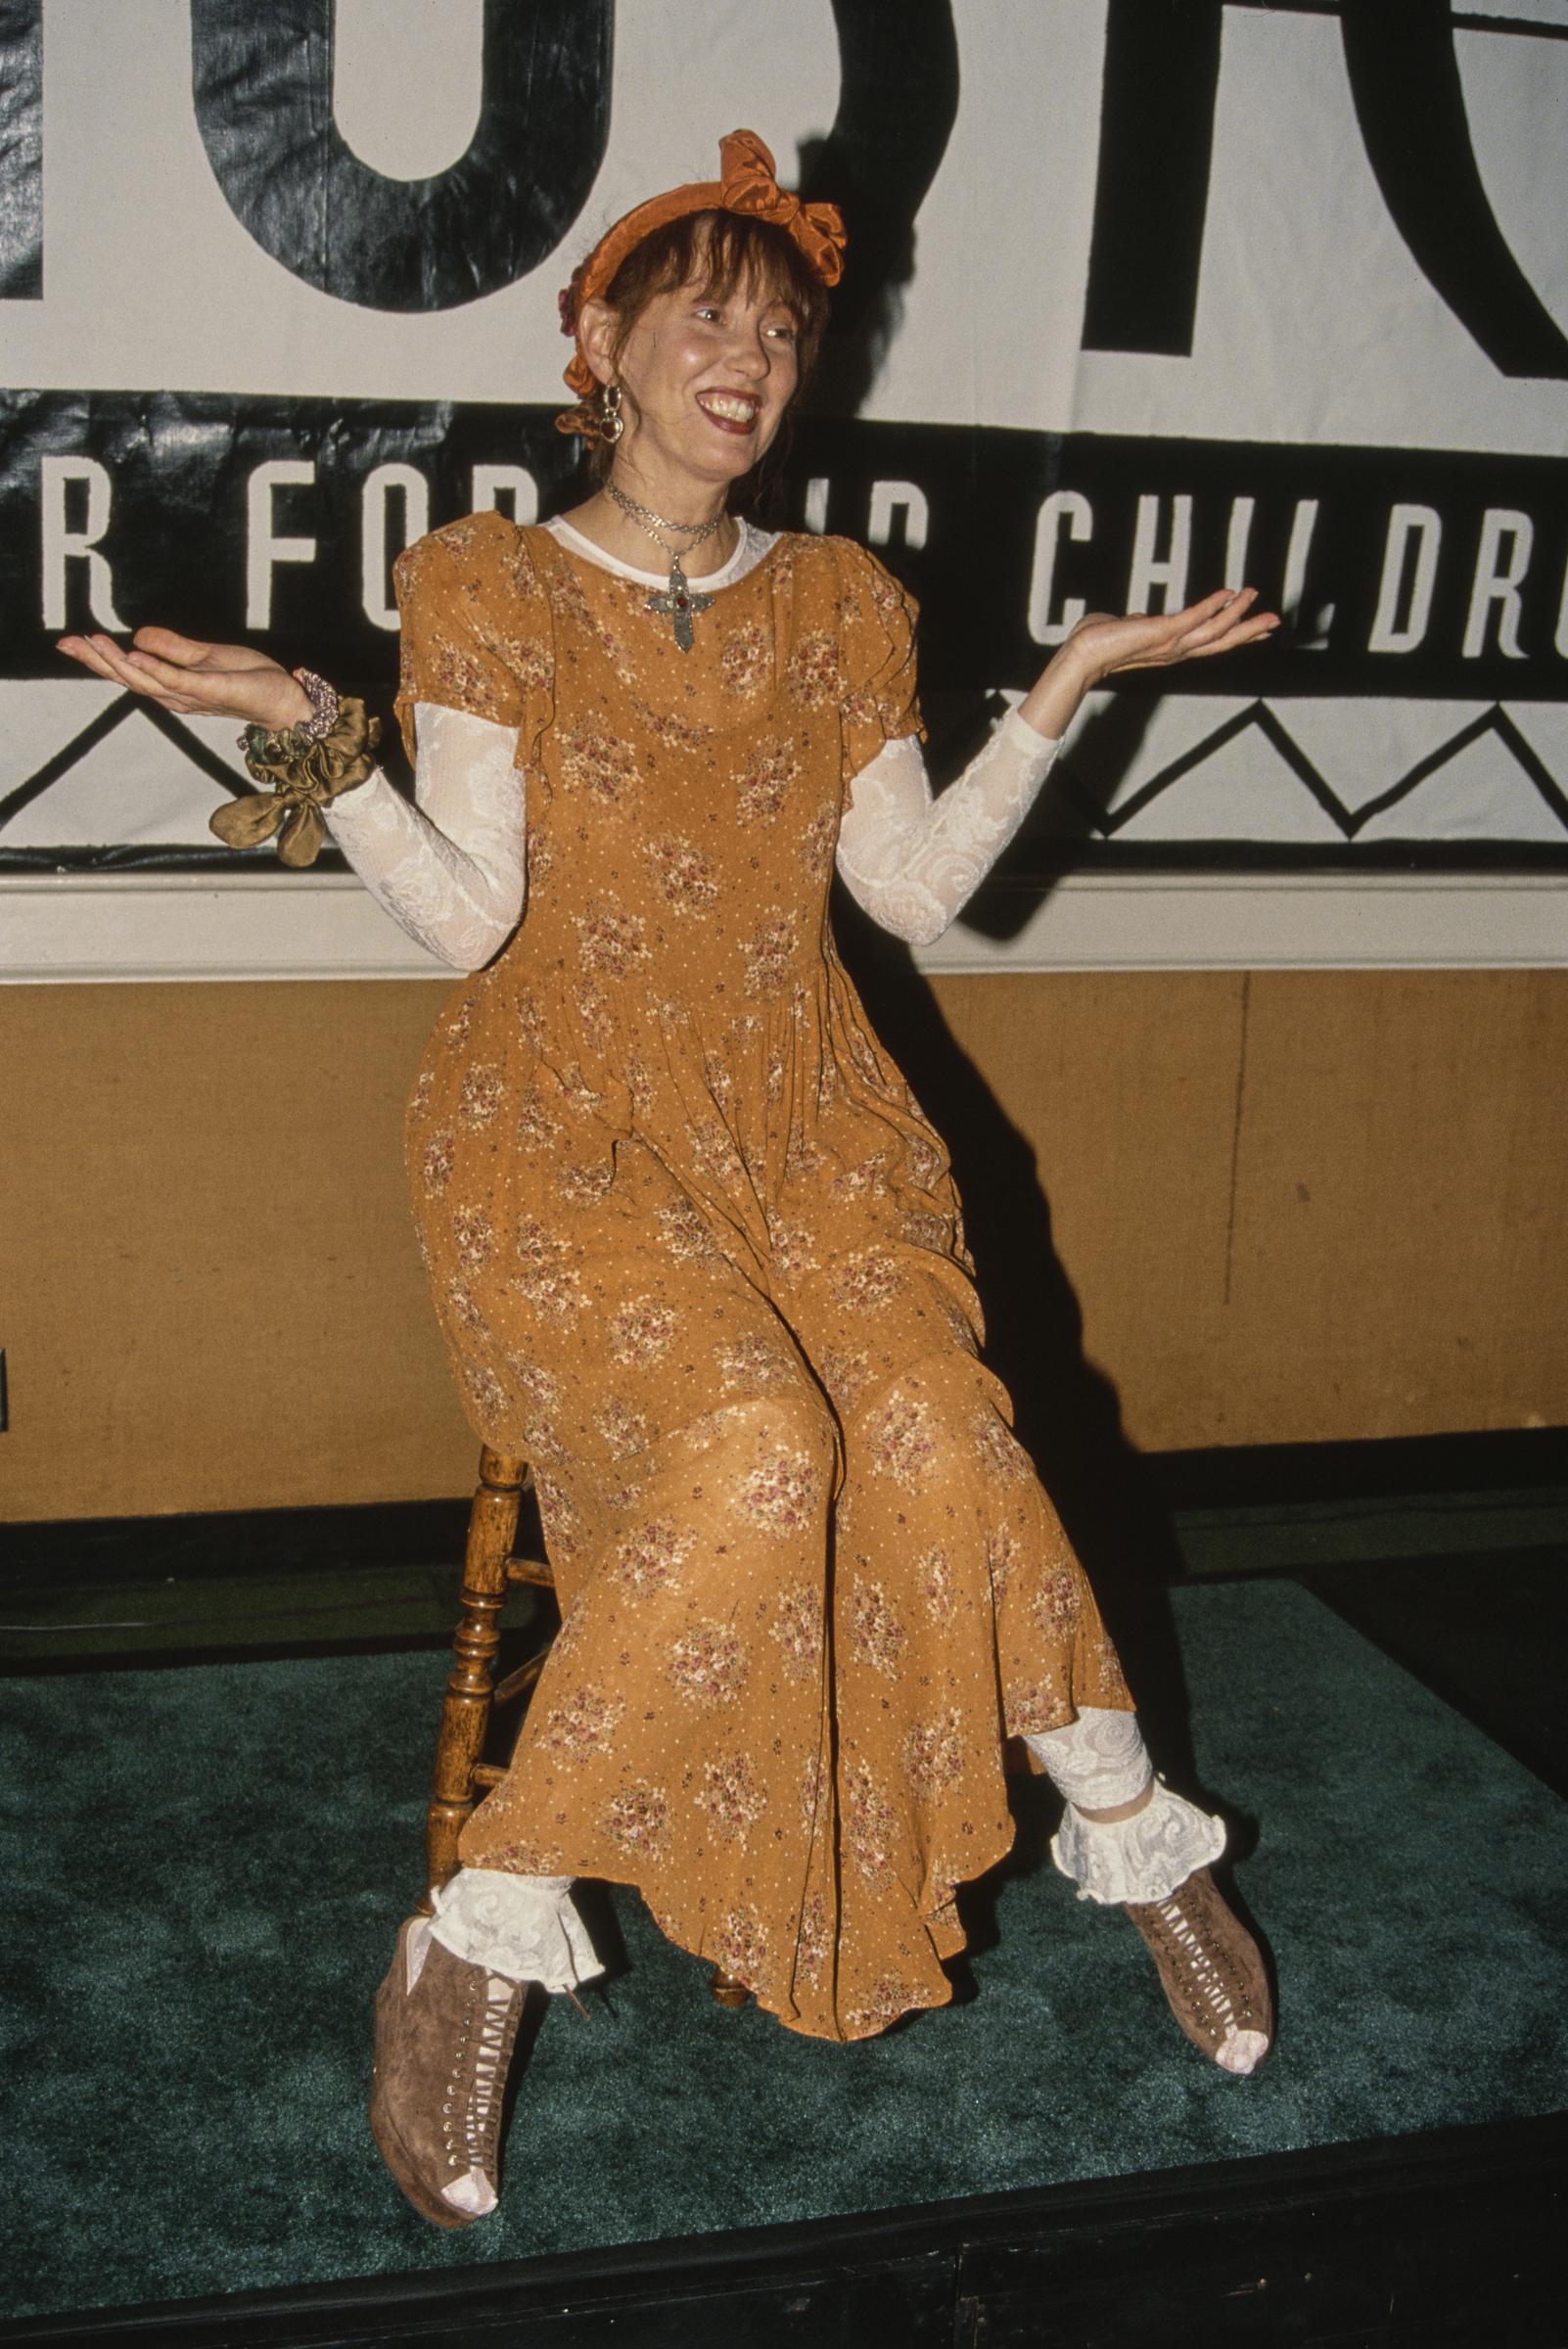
678	602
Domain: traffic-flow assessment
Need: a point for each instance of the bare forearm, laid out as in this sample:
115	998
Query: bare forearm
1052	702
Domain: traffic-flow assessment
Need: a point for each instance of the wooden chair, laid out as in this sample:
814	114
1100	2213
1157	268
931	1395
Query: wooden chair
462	1775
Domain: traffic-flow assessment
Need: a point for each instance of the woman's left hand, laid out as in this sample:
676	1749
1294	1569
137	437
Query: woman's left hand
1220	622
1101	645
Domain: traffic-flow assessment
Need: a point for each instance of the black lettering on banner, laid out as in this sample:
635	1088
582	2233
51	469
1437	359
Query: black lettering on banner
1151	190
898	102
1404	81
22	227
1162	71
262	81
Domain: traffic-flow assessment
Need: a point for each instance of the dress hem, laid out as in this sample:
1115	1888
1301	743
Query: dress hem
682	1937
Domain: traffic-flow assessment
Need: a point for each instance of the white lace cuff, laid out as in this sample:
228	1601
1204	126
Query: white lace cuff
1139	1859
1099	1761
525	1928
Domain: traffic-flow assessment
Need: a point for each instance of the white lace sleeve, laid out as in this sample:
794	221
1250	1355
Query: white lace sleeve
450	867
911	860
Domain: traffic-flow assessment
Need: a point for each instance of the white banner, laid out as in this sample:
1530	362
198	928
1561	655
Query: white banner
1143	299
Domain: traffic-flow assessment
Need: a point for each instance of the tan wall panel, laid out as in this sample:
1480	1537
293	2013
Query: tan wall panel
211	1294
1298	1207
1401	1204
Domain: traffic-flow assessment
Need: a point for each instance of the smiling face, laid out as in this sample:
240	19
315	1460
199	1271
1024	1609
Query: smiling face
706	381
707	328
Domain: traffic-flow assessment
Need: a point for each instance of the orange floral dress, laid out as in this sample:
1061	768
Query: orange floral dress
697	1255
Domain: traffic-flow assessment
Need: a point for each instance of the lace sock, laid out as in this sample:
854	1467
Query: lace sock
1100	1762
524	1929
1139	1859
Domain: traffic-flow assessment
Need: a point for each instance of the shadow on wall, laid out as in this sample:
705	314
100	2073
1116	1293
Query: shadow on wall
861	326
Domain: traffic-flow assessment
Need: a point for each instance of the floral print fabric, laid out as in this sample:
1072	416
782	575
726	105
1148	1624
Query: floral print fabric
697	1257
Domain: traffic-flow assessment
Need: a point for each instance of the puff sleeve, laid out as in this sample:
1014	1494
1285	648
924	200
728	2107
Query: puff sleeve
474	699
475	629
877	648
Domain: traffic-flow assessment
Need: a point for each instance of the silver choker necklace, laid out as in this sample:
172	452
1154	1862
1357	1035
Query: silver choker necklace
680	601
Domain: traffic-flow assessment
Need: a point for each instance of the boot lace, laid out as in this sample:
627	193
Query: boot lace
1207	1990
471	2114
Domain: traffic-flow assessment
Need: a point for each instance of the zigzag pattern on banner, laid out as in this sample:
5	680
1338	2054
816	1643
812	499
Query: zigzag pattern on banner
1101	821
121	855
1259	717
71	754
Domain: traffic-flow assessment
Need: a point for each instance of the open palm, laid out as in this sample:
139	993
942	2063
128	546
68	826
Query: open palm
1219	624
195	679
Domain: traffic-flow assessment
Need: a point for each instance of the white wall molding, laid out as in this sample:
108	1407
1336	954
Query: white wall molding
98	928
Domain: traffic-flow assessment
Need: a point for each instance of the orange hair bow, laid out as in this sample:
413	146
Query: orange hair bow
749	186
746	184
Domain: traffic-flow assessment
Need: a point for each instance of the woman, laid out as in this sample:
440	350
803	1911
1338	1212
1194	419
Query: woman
696	1252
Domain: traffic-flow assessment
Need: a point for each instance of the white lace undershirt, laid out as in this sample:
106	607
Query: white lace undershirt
450	866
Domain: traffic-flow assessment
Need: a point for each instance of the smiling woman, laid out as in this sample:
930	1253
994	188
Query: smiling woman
696	1251
729	305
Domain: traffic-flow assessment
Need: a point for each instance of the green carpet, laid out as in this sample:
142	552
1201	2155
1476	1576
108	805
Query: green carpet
205	1867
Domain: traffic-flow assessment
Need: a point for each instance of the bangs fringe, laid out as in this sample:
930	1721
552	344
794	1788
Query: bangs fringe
724	252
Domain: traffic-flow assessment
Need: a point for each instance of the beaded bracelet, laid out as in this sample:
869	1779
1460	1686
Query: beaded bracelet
324	704
307	765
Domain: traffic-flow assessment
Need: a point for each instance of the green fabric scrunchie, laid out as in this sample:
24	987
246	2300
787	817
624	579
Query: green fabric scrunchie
306	772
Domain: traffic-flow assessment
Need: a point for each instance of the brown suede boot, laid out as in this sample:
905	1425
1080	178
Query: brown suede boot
443	2044
1211	1971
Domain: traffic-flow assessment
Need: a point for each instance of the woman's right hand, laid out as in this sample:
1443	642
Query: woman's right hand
197	681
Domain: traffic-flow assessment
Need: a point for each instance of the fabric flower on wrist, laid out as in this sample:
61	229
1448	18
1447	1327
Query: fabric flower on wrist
307	769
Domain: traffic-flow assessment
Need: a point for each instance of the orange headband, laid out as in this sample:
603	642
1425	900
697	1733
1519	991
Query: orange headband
746	184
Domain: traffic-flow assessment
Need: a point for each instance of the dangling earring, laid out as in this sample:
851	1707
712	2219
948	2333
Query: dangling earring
612	424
